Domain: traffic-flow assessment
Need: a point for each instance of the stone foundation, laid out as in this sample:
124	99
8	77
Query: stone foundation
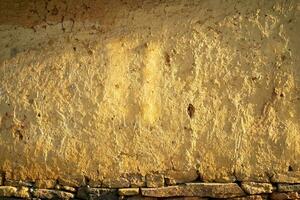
156	187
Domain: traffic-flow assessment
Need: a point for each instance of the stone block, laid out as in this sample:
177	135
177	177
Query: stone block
182	176
136	180
68	188
45	184
88	193
17	183
140	198
155	180
72	181
95	183
83	193
102	194
22	192
186	198
128	191
250	197
257	188
116	183
284	196
170	181
290	177
289	187
8	191
52	194
212	190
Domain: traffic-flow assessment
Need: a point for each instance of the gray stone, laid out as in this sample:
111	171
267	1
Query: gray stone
288	187
257	188
51	194
155	180
83	193
290	177
212	190
284	196
116	183
97	193
128	191
102	194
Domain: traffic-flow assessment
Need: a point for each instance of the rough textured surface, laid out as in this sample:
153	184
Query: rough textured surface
187	191
45	184
10	191
213	190
128	191
52	194
289	188
99	89
155	180
7	191
98	193
290	177
284	196
252	197
257	188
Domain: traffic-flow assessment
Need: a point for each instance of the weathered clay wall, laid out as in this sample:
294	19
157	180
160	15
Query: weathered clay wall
115	90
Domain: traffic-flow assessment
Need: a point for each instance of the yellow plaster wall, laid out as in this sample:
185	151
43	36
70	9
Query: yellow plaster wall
184	88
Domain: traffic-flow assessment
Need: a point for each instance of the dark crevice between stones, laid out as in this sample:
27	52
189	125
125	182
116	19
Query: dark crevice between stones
86	181
236	177
270	176
57	184
83	192
3	177
199	178
238	181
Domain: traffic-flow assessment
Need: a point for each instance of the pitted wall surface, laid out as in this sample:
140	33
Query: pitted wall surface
110	89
